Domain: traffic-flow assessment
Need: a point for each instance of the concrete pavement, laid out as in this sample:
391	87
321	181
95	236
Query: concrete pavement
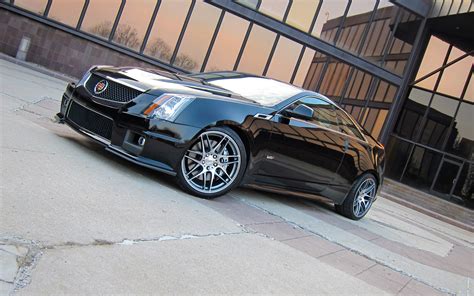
75	219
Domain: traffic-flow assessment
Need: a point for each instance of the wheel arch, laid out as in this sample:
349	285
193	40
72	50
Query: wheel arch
370	171
243	135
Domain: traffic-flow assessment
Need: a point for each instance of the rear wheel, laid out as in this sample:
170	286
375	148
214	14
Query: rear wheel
359	200
214	164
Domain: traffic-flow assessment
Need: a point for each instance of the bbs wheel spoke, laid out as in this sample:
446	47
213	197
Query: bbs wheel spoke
212	163
364	196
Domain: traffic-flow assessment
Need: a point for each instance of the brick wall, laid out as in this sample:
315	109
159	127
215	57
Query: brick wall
55	49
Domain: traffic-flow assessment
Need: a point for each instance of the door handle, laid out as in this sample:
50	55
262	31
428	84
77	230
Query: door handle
346	145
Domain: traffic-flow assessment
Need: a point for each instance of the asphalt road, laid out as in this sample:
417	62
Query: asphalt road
75	219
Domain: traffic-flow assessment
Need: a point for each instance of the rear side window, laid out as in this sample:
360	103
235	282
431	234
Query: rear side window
347	126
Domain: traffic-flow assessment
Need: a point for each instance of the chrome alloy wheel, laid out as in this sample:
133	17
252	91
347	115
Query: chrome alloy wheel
365	195
213	162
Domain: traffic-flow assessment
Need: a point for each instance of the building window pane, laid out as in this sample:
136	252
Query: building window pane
274	8
469	96
355	111
198	36
334	79
370	118
35	6
422	168
329	18
385	92
166	29
315	71
398	52
432	60
133	23
379	122
304	67
66	11
359	85
301	14
465	185
378	35
356	20
414	109
453	78
398	152
228	42
284	59
461	138
99	21
438	120
256	51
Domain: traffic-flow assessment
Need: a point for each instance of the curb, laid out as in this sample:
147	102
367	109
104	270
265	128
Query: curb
427	212
38	68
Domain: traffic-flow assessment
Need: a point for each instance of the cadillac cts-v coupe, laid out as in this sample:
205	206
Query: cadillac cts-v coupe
215	131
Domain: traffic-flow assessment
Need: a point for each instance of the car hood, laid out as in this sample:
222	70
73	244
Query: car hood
156	82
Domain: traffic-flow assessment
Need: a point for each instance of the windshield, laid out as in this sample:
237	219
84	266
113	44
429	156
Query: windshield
267	92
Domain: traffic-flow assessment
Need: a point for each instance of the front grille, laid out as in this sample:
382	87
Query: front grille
90	120
114	92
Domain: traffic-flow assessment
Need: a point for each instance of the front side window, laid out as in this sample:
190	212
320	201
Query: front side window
324	112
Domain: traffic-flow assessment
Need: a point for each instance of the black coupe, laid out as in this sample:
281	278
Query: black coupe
215	131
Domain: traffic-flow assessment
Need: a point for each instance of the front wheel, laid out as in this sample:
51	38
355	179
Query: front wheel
360	198
214	164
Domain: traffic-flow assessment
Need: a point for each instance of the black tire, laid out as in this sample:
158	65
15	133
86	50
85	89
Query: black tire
347	208
239	173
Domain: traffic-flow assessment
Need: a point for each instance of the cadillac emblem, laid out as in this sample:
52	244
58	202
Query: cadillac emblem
100	87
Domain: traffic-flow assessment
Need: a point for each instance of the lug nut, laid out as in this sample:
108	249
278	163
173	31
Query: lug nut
215	163
215	156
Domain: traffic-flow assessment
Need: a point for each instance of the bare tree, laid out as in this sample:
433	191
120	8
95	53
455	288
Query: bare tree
185	62
159	49
125	34
102	29
213	69
128	36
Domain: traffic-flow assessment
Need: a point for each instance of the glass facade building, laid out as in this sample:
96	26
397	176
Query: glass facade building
402	68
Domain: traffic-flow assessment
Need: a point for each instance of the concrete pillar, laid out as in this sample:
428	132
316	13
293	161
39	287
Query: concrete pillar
23	48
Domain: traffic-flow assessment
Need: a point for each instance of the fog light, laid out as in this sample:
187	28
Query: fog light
141	141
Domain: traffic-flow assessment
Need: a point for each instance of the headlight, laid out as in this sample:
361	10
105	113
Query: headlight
168	106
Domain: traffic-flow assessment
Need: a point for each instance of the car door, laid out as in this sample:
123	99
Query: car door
303	154
357	155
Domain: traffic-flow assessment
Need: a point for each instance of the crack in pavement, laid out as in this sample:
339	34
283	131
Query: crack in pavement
28	103
128	242
15	149
28	262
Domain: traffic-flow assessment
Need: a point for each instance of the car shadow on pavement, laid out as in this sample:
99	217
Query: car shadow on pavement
97	150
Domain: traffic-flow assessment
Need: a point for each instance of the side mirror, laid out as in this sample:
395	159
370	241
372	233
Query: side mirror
301	111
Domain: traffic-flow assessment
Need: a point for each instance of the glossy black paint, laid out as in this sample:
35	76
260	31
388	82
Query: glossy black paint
284	152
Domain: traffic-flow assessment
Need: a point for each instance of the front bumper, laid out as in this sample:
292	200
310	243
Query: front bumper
155	144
